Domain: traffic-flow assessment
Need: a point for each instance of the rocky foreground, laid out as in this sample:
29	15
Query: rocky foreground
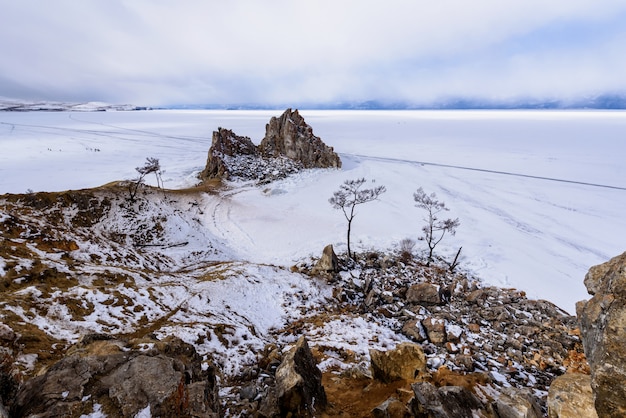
94	322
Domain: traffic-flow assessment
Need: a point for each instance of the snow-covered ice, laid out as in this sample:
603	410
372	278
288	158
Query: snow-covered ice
540	194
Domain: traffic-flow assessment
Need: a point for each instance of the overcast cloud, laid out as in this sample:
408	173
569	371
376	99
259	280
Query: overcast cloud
158	52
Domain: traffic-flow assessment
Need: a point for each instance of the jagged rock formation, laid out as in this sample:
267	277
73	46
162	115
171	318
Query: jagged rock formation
290	136
602	323
299	383
102	374
226	146
288	146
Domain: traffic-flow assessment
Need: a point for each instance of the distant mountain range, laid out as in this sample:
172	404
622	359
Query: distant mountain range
16	105
610	101
605	101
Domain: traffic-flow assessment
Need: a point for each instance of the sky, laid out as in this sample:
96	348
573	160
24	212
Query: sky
159	52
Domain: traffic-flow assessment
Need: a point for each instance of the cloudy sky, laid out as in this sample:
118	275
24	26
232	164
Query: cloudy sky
159	52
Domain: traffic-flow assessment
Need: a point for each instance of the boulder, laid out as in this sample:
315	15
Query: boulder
435	329
290	136
414	329
570	396
517	403
299	389
328	263
444	402
165	376
423	294
391	408
407	361
602	323
225	148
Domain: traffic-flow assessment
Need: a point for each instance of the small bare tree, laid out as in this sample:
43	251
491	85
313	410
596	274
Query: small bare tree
435	228
406	249
152	165
349	196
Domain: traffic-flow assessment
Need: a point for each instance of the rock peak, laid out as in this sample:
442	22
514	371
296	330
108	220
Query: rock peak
290	136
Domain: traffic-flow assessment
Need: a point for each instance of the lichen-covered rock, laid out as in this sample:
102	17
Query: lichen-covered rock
603	324
407	361
158	375
299	389
290	136
570	396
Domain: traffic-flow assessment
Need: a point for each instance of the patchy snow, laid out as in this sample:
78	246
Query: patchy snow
540	194
97	412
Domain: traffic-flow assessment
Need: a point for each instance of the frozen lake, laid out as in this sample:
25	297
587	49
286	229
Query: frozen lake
540	194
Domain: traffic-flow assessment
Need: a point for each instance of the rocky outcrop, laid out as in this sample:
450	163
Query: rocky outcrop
225	147
165	377
288	146
570	396
602	324
299	389
290	136
407	361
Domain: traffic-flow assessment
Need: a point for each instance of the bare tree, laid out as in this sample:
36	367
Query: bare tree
435	228
349	196
152	165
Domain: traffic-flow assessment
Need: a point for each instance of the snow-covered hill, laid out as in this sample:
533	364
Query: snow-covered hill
14	105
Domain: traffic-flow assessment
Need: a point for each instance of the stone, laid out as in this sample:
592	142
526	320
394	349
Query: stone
290	136
413	329
328	263
423	294
226	145
407	361
570	396
391	408
517	403
602	322
168	378
444	402
6	333
299	389
435	329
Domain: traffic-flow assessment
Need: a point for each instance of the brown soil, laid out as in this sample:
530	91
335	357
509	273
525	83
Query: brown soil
356	397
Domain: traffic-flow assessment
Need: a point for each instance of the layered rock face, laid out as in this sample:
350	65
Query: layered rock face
288	146
101	375
603	327
290	136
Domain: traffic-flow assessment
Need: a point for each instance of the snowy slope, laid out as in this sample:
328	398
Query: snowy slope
536	218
